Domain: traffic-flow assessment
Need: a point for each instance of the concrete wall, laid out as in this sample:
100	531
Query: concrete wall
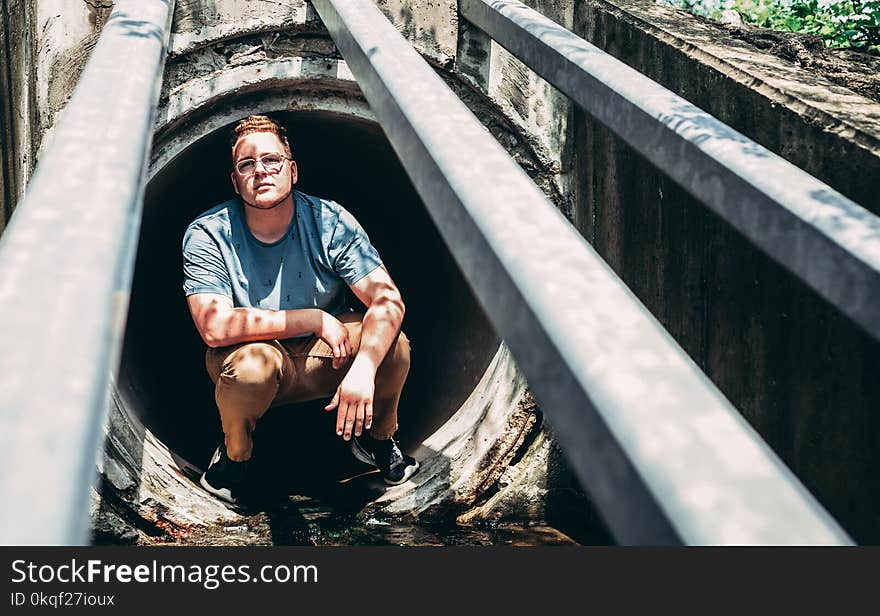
68	31
538	111
17	102
44	45
799	372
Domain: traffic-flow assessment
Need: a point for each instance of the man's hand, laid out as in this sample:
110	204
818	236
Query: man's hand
354	400
354	396
333	332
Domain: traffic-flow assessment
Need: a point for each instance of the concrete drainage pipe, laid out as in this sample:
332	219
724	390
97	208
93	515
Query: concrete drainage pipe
465	411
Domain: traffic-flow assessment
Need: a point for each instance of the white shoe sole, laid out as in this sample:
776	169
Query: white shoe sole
358	452
223	493
409	472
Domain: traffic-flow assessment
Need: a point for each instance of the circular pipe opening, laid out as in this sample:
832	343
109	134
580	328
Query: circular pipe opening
162	379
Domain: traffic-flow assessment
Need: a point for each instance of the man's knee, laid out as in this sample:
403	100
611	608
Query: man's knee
255	363
239	447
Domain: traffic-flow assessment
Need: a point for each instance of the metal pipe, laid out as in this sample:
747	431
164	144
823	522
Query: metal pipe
67	260
664	455
826	240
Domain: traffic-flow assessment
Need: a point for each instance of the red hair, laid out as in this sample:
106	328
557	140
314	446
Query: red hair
259	124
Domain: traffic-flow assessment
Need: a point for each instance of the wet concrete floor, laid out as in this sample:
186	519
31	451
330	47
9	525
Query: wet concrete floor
310	492
307	521
328	512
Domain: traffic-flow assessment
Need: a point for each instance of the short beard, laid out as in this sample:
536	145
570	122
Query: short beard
271	207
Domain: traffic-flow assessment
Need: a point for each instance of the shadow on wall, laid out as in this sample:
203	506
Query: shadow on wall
163	369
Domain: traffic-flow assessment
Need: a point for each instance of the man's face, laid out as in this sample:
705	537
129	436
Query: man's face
261	187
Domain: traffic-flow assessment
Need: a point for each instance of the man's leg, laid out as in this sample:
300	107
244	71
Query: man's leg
314	376
247	379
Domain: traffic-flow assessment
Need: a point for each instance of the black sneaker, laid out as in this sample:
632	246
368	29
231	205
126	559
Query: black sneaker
224	478
396	467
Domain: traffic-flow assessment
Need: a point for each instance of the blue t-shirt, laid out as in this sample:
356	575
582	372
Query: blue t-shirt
323	250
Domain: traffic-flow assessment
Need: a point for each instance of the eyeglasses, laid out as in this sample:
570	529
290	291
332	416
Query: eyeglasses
272	163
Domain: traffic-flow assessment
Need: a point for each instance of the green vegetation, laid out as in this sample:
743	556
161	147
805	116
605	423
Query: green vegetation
841	23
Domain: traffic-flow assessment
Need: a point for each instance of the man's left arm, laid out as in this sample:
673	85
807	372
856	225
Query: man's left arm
380	328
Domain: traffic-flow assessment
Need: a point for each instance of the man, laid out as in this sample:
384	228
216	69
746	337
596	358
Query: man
265	277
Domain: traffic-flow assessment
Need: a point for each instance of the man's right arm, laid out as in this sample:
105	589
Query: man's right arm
220	324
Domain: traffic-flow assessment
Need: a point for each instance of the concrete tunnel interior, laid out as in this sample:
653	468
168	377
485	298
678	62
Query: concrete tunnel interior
162	378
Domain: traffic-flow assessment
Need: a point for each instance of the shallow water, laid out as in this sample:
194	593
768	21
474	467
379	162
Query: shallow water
304	521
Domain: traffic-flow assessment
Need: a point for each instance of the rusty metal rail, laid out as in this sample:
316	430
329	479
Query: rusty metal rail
829	242
66	263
